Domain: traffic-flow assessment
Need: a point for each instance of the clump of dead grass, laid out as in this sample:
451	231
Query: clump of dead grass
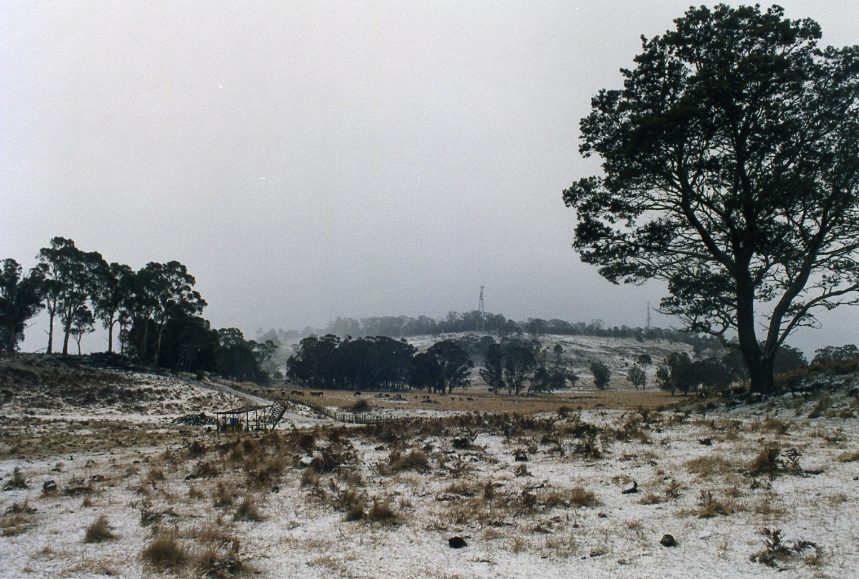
248	511
581	497
383	512
17	519
165	552
99	531
415	460
706	466
16	481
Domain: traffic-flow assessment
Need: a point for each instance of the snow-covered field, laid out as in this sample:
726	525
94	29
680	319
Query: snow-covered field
532	496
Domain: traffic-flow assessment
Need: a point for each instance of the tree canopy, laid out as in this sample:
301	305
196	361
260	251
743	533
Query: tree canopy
730	166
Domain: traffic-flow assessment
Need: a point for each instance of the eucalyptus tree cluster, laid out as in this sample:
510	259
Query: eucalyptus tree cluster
378	363
155	309
518	365
81	287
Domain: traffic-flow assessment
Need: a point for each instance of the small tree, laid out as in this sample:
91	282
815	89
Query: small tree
636	377
520	361
602	374
675	373
493	368
454	363
83	322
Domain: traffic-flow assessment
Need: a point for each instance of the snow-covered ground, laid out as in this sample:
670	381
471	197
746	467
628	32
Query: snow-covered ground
694	477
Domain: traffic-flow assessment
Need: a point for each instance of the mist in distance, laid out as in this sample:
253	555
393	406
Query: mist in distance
314	160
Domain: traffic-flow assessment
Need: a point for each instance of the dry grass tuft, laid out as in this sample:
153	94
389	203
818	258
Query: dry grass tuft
582	497
16	519
705	466
99	531
248	511
413	460
17	481
382	512
709	506
222	496
165	552
849	456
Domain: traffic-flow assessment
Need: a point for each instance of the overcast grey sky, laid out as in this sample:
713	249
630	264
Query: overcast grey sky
313	159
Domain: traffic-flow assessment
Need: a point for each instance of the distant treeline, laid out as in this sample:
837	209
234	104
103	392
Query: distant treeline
156	310
494	324
514	365
378	363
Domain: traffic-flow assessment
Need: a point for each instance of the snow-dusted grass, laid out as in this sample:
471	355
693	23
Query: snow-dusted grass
535	488
382	501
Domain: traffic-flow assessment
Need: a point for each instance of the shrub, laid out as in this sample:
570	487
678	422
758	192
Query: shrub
360	407
99	531
307	441
601	373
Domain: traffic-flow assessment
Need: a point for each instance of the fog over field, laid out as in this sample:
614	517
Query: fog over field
313	159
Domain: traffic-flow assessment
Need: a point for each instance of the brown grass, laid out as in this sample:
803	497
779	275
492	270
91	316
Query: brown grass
165	552
849	456
714	464
99	531
248	511
582	497
479	400
382	512
413	460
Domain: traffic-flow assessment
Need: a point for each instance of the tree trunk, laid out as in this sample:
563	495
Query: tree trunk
110	336
158	344
67	330
50	349
760	367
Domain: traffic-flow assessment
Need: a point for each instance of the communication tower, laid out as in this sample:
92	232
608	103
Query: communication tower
648	315
481	308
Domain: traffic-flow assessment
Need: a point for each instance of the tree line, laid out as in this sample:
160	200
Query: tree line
155	312
378	363
498	325
512	365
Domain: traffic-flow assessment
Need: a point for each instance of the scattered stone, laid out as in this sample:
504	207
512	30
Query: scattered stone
520	456
49	487
668	541
602	516
705	441
630	489
457	543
